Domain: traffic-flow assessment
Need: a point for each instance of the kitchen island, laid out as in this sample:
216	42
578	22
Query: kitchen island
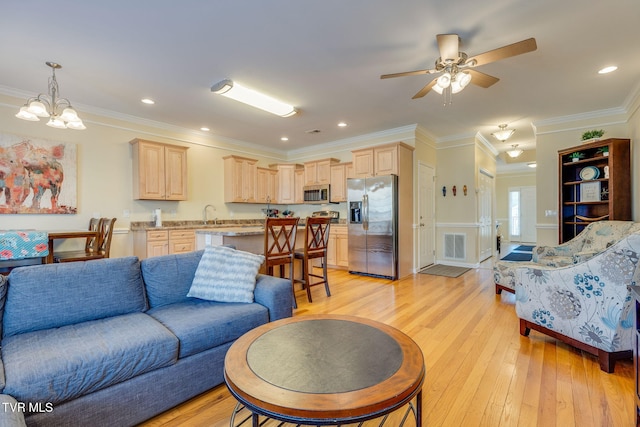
244	238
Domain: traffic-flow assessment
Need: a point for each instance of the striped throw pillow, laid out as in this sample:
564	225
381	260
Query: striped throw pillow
225	275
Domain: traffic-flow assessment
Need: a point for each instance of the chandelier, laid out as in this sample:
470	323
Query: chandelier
515	151
59	110
503	134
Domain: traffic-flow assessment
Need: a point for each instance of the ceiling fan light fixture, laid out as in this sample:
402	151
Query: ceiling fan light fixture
515	151
233	90
503	134
444	80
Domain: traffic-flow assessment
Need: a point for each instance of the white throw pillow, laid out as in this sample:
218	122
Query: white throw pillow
226	275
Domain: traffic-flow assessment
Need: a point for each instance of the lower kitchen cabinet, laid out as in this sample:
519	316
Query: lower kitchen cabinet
338	248
150	243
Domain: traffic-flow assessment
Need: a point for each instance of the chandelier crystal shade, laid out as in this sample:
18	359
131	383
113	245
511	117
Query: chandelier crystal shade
503	134
233	90
59	110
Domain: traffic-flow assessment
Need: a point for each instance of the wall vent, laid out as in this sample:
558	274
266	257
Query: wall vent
455	245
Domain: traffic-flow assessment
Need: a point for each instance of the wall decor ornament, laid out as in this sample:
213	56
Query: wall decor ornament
464	189
444	191
454	190
37	176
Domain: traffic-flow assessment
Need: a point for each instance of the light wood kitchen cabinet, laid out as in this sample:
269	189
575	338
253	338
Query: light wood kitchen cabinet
338	247
380	160
339	182
181	241
240	174
362	163
318	171
150	243
299	186
266	185
159	171
287	182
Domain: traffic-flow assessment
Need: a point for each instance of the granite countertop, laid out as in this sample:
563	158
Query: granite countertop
219	227
233	231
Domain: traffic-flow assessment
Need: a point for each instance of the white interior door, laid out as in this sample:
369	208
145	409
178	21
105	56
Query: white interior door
426	212
485	215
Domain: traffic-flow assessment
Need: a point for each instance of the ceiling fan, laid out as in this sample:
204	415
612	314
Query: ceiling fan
457	68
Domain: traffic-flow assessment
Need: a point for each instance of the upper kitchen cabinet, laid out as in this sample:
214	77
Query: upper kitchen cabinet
159	171
318	171
286	182
339	174
266	185
240	175
380	160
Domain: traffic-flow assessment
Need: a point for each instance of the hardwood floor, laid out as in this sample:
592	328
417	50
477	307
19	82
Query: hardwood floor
480	371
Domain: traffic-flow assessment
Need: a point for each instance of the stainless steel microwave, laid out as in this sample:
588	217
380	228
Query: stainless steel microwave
317	194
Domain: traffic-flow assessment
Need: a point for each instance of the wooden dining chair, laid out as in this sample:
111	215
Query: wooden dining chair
315	246
97	247
279	246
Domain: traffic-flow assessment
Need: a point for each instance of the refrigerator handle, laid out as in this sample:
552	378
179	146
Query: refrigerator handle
365	212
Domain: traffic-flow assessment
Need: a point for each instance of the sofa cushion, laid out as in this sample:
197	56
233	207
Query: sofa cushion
54	295
61	364
201	325
168	278
226	275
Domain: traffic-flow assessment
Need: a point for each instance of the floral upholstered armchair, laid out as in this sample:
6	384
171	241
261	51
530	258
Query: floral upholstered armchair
595	238
587	305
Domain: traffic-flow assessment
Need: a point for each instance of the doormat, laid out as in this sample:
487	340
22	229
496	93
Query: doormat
444	270
524	248
518	256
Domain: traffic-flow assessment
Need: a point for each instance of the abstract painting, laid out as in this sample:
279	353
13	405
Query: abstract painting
37	176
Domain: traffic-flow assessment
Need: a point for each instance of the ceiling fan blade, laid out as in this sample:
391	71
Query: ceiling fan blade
524	46
425	89
481	79
408	73
449	45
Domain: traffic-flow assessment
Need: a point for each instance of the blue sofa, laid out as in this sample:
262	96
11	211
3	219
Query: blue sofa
114	342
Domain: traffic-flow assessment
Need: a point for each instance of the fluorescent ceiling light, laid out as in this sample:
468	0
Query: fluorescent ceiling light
609	69
248	96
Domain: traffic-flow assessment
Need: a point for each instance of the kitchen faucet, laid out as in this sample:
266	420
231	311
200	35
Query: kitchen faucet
204	213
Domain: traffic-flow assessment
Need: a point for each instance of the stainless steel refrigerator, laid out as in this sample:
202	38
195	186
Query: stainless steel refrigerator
372	221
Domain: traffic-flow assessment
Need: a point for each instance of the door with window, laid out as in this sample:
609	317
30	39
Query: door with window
522	214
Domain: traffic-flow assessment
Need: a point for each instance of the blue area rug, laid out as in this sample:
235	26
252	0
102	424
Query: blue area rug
524	248
517	256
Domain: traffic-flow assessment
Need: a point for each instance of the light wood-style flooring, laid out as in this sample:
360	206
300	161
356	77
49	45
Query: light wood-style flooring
480	371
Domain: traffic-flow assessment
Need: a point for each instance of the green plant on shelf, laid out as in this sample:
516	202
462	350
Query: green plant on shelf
576	156
590	134
603	151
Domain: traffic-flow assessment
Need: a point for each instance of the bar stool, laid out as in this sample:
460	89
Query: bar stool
279	246
315	246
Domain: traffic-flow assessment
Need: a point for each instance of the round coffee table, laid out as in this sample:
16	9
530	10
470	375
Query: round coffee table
325	370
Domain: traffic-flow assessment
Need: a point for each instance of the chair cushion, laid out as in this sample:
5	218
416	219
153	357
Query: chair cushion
201	325
54	295
60	364
226	275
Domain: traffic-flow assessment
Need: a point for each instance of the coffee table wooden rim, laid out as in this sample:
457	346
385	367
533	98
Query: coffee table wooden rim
324	408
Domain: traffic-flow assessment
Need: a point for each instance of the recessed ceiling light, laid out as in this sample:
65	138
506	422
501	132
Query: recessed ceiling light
148	101
342	124
284	138
532	164
609	69
205	129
